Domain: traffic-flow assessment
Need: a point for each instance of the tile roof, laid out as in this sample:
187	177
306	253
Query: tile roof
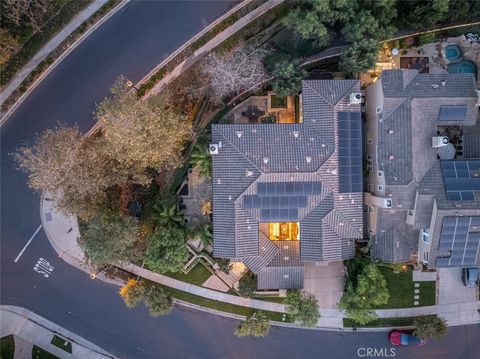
287	172
284	277
412	104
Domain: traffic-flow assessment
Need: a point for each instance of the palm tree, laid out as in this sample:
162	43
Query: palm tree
168	215
201	158
204	233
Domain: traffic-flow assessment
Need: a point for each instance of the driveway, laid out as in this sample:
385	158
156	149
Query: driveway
325	282
451	289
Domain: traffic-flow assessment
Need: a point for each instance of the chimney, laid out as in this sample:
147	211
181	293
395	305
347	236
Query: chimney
443	82
308	159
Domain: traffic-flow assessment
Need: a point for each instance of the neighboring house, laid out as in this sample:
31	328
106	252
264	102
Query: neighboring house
423	198
285	194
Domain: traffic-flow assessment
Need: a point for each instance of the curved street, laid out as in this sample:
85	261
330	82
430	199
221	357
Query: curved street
132	42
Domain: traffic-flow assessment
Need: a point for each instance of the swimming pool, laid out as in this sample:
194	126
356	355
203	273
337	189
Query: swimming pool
453	52
464	66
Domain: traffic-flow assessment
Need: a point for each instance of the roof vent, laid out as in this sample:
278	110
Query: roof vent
341	224
219	181
286	258
390	132
249	173
308	159
295	134
213	149
286	276
334	171
443	82
324	145
285	247
254	130
439	141
239	133
220	144
229	198
265	160
387	203
352	201
355	98
435	86
391	157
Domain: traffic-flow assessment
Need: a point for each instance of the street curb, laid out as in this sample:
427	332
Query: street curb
49	69
38	330
193	39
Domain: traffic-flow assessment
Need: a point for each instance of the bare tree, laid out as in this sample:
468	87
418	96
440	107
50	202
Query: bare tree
236	71
21	12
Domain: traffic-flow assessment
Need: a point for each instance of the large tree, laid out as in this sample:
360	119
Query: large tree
140	136
256	325
236	71
24	12
109	238
166	250
365	290
302	308
8	45
288	78
156	299
430	327
64	163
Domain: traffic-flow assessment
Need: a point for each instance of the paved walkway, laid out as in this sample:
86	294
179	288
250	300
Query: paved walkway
210	45
43	53
30	329
62	232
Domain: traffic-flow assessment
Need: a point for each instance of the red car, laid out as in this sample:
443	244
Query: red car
405	337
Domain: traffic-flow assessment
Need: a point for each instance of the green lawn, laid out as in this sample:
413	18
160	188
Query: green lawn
271	299
221	306
62	343
402	289
39	353
197	275
383	322
7	347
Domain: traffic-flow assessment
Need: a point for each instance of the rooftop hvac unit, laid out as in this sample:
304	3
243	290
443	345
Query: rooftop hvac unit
439	141
355	98
387	203
213	149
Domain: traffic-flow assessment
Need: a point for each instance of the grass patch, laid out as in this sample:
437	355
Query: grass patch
402	290
39	39
221	306
7	347
197	275
385	322
280	300
62	343
39	353
278	102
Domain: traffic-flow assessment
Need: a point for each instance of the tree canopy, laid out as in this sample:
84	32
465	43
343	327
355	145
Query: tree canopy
288	79
256	325
156	299
302	308
430	327
166	250
109	238
247	285
364	291
141	135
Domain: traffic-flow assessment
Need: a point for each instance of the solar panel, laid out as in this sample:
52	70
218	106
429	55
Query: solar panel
453	113
350	152
462	179
289	189
460	237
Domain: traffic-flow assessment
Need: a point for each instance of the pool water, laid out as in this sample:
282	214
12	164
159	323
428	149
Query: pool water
453	52
464	66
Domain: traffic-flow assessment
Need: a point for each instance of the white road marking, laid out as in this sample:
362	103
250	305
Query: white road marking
28	243
43	267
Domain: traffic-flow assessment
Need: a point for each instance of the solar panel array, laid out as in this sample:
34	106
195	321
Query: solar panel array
452	113
462	179
281	201
460	236
350	152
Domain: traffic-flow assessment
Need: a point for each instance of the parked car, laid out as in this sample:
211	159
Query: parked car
470	277
405	337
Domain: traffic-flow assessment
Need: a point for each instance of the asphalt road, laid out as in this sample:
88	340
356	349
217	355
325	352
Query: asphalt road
131	43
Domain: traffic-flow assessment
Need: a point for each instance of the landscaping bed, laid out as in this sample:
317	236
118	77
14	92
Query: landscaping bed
385	322
39	353
7	347
197	275
402	289
62	343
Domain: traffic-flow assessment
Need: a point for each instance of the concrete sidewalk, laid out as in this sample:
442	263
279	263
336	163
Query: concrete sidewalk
209	46
62	232
30	329
43	53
